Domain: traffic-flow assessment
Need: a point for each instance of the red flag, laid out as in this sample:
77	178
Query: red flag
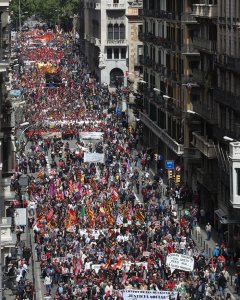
118	264
72	216
49	215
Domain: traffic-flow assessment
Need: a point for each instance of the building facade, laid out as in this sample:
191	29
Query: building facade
106	39
7	140
169	60
135	46
191	94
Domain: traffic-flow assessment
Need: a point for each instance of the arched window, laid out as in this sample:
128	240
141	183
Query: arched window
122	32
110	31
116	32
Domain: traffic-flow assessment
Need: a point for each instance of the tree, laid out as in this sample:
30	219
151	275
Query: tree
47	10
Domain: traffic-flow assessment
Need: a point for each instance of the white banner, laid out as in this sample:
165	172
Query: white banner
180	261
94	157
91	135
138	294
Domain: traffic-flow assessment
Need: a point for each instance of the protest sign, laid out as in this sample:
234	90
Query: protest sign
180	261
94	157
96	268
138	294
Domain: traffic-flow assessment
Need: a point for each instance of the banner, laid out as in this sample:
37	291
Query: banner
138	294
91	135
180	261
94	157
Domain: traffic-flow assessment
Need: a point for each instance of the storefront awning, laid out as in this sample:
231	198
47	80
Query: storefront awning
224	218
220	213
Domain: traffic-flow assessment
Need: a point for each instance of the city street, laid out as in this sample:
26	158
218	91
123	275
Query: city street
104	221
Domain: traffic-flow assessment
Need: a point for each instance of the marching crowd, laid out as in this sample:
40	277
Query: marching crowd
94	236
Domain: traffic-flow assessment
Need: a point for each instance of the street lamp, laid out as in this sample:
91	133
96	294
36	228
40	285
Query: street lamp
228	139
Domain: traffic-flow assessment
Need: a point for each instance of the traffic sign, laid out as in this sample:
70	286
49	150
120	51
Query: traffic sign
178	168
169	164
159	157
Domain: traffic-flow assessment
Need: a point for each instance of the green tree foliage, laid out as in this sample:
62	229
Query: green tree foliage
47	10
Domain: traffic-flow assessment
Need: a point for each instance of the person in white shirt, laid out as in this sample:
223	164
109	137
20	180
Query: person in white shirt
48	284
87	266
120	238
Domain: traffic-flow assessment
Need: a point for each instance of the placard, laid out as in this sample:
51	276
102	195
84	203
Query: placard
180	261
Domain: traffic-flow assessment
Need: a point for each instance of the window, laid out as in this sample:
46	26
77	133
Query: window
122	32
116	1
116	32
110	32
123	53
109	53
238	181
116	53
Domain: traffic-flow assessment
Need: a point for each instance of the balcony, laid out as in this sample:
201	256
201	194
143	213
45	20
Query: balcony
155	14
206	113
148	62
227	98
8	120
116	6
133	12
209	11
116	19
161	134
4	4
117	42
206	147
209	181
233	64
188	18
92	40
199	76
190	49
205	45
8	239
4	60
192	153
155	40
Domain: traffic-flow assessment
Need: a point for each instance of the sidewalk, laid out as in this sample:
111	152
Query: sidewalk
11	294
200	238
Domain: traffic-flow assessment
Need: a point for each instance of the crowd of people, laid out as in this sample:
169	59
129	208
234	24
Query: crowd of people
102	225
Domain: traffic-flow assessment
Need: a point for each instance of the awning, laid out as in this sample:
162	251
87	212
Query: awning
220	213
224	218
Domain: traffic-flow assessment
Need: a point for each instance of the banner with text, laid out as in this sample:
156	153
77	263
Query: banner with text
137	294
91	135
93	157
180	262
